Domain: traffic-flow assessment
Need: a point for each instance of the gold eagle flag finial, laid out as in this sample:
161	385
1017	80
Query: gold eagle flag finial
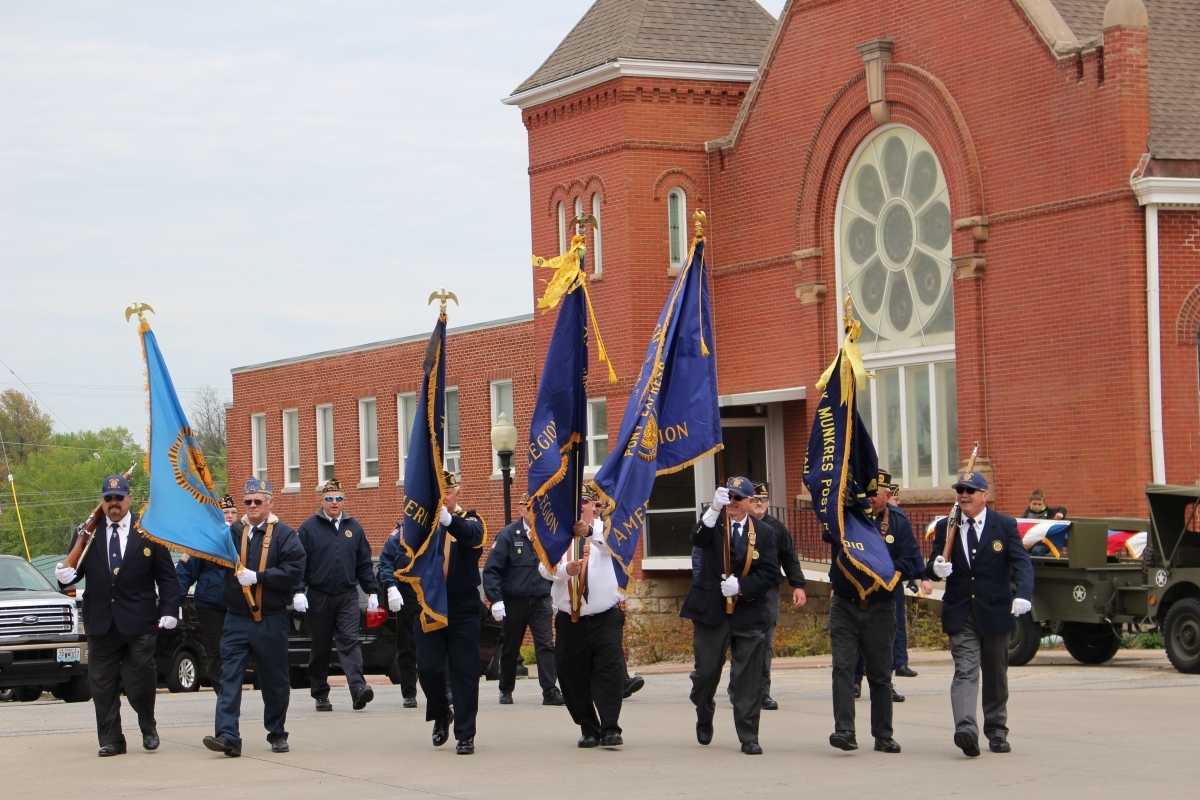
584	219
443	295
140	309
701	219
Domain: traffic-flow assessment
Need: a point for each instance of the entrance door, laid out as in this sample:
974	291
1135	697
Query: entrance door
745	452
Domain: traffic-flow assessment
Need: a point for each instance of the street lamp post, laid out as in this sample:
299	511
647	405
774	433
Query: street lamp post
504	441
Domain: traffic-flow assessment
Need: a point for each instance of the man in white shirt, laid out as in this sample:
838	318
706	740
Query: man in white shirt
588	627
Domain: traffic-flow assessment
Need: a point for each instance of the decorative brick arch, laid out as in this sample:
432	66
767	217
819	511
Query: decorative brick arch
578	187
916	99
1188	322
677	176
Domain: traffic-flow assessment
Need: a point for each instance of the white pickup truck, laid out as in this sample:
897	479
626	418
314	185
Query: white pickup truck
42	643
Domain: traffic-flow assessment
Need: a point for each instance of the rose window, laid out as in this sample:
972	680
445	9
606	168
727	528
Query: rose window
895	244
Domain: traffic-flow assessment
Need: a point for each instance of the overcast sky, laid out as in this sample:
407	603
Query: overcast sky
275	178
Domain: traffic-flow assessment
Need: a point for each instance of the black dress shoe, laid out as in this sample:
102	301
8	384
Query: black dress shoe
365	695
553	698
967	743
769	704
612	740
114	749
465	747
998	744
633	685
843	740
441	732
857	690
704	732
280	746
410	702
751	749
150	740
506	698
219	744
887	746
904	671
896	696
323	704
587	740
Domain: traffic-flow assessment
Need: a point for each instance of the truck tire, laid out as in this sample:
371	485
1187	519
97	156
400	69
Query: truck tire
1181	635
27	694
75	690
1090	643
1024	642
184	674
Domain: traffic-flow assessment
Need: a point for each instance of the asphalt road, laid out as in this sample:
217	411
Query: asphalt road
1125	728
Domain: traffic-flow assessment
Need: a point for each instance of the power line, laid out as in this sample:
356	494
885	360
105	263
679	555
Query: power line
35	394
68	447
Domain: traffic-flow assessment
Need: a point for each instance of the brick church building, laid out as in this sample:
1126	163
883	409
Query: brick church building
1009	190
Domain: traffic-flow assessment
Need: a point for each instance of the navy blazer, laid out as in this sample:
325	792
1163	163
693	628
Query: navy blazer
128	600
903	548
985	588
705	603
511	569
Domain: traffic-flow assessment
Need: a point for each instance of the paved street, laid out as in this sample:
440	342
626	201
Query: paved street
1126	727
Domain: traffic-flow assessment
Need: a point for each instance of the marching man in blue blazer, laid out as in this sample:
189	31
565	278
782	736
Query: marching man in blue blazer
979	610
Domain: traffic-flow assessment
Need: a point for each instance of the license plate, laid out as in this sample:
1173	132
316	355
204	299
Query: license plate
67	654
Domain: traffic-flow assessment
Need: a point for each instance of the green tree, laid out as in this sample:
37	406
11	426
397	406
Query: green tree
23	426
206	413
58	486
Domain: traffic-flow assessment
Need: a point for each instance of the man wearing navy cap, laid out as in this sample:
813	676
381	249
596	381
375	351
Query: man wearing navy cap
272	564
727	604
979	610
209	602
122	615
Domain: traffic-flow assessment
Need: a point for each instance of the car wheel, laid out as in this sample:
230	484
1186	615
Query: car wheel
75	690
1023	643
6	695
1182	637
1090	643
27	694
184	674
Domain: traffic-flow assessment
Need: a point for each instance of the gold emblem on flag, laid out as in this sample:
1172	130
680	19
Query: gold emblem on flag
997	546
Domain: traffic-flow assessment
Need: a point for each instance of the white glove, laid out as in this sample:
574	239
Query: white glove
1021	606
300	603
168	623
372	602
498	611
942	568
395	601
247	577
445	517
729	586
720	498
65	575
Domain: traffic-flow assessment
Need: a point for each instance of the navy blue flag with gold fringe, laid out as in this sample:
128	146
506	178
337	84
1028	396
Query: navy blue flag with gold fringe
422	563
842	468
672	419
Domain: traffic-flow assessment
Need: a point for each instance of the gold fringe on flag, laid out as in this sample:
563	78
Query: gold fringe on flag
568	276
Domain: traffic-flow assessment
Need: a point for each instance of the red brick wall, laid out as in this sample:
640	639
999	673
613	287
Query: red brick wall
1179	282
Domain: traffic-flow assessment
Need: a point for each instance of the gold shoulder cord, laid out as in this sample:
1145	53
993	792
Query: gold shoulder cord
256	606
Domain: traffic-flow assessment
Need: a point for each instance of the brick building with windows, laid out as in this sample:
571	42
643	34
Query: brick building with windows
1008	189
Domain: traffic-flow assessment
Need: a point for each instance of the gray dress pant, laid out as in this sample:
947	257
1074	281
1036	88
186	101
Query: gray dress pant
974	654
711	643
871	630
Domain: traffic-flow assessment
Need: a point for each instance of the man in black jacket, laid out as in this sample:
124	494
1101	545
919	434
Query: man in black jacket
122	616
272	565
209	602
728	609
338	562
520	599
979	610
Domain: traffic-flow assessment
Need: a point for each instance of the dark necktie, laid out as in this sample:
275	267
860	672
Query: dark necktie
972	539
114	549
736	547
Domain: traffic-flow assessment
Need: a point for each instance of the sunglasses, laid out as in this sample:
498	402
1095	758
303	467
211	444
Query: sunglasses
736	498
966	490
113	498
253	502
334	498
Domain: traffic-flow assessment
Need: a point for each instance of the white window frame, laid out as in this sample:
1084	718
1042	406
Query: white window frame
562	227
597	250
495	385
591	469
290	447
404	426
325	459
679	238
363	459
452	459
258	452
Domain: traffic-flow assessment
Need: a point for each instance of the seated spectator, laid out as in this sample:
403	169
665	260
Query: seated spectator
1039	510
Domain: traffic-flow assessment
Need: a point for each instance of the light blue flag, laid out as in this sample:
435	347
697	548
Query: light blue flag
182	511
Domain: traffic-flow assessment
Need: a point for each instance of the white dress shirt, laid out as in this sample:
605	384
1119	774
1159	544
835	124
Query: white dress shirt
962	532
122	533
603	592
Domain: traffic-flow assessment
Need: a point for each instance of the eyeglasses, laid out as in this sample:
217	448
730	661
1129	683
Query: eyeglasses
760	500
113	498
334	498
253	501
736	498
967	490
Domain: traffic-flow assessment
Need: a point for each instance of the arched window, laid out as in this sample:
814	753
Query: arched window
562	227
677	225
597	255
893	255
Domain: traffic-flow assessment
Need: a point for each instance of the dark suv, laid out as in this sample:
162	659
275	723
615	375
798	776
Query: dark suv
42	646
